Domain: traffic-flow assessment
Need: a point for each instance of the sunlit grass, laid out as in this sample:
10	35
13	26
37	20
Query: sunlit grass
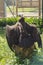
21	9
7	57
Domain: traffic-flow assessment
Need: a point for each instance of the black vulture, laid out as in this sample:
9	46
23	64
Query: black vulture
22	36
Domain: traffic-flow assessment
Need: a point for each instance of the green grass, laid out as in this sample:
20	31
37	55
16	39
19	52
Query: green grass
7	57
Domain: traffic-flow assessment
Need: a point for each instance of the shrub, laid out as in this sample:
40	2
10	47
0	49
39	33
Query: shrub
29	20
10	21
34	20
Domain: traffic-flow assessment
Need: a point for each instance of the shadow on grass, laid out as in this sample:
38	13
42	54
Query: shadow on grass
36	59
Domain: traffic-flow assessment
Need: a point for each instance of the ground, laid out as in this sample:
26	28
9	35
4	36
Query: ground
7	57
23	11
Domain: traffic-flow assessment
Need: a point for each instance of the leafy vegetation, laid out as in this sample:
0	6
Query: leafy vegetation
5	21
10	21
13	20
7	57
